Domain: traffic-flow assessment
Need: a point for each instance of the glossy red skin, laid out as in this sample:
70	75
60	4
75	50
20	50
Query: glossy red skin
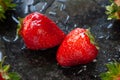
39	32
76	49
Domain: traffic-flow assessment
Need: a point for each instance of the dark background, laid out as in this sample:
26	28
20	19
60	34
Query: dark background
68	14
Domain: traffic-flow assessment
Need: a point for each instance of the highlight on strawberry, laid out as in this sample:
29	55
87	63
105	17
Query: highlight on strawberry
113	72
78	47
113	10
5	74
40	32
5	5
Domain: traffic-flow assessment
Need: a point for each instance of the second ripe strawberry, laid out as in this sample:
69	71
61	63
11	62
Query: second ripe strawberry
77	48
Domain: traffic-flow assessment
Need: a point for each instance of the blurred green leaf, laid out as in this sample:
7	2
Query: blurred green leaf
6	68
4	6
113	71
14	76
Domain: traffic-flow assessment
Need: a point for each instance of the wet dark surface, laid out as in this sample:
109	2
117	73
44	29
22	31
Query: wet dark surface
68	14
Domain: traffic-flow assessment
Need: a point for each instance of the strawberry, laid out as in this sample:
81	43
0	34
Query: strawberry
113	72
78	47
113	10
39	32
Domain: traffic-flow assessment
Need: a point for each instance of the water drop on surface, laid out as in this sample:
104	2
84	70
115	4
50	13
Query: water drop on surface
116	56
1	56
62	7
95	60
79	71
62	1
110	26
67	18
16	38
5	39
16	20
40	6
75	25
119	58
95	76
10	40
109	59
26	10
84	67
107	37
52	13
104	52
23	47
43	7
101	37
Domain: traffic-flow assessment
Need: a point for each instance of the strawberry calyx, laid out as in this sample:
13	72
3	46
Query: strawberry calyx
19	25
113	10
5	74
4	6
91	37
113	72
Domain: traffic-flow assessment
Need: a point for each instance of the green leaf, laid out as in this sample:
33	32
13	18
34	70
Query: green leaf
5	76
6	68
111	1
19	25
92	39
113	71
112	11
4	6
14	76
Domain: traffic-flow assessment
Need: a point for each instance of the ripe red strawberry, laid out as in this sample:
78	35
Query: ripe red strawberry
77	48
39	32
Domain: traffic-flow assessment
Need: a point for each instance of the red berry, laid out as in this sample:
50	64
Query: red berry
39	32
76	49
